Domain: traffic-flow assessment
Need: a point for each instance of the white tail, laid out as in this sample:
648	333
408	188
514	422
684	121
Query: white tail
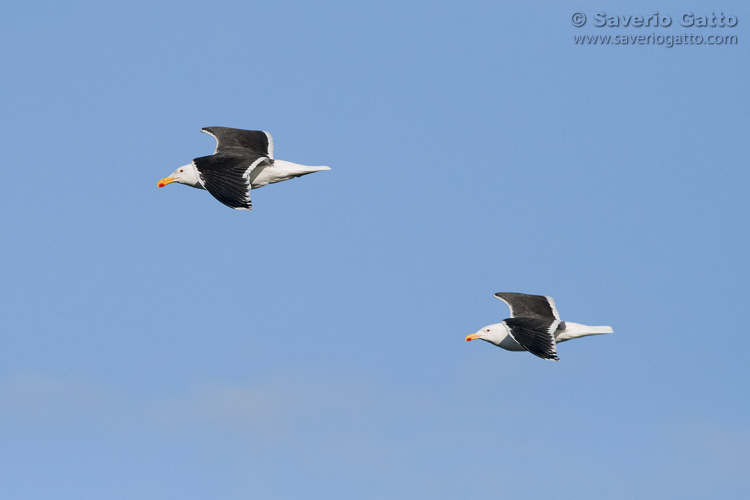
576	330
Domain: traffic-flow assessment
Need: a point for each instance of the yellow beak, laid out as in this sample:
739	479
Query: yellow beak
165	181
473	336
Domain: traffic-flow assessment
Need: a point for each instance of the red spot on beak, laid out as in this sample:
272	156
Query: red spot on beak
165	181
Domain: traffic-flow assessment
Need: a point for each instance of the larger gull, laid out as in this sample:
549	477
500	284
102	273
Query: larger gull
243	160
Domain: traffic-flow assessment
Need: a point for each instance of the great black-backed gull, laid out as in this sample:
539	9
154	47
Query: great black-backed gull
534	325
243	160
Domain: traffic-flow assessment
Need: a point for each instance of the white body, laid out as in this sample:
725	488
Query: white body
499	334
280	171
260	176
577	330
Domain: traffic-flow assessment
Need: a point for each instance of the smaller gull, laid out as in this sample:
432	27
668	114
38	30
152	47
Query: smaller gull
534	325
243	160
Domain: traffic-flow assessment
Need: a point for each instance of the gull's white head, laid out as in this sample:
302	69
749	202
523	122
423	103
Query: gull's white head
186	174
494	334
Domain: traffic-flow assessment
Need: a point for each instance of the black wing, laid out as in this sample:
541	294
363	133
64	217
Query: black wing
232	139
522	305
536	335
226	177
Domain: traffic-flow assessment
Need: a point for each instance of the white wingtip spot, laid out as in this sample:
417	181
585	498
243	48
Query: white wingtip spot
270	144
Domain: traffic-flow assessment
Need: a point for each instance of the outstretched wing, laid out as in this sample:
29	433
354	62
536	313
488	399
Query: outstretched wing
536	335
255	141
522	305
227	177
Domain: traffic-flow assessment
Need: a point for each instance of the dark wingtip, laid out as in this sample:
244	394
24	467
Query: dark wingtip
548	357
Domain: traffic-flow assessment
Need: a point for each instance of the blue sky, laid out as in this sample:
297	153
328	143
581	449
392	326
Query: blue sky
158	345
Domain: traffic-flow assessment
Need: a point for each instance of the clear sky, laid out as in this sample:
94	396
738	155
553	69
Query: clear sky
156	344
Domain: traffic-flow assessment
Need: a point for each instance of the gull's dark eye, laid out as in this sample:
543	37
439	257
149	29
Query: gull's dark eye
181	170
488	331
